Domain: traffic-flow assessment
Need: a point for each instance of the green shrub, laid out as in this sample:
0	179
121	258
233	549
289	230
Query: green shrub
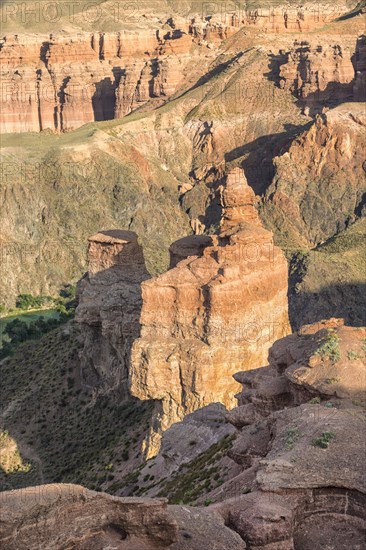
329	347
292	436
324	440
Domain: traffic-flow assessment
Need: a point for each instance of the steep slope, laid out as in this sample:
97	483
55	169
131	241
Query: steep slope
298	427
57	428
319	184
55	194
174	155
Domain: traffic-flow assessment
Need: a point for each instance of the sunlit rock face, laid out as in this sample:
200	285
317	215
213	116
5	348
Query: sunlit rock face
211	315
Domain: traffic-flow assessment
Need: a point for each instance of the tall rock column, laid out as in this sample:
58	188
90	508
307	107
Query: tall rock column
109	309
216	312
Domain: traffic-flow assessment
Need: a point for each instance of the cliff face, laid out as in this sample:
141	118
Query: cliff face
320	182
217	310
297	423
63	80
359	61
60	82
297	481
109	309
322	75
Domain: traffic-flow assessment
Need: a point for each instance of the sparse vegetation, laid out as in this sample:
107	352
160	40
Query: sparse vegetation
324	440
352	355
333	380
74	437
329	347
293	435
197	478
315	401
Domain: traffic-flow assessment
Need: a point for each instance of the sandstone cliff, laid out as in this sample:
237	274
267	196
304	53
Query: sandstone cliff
298	451
61	81
216	311
74	517
109	309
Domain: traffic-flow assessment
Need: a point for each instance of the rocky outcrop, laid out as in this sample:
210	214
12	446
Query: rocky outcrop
322	75
74	516
301	454
319	183
60	82
286	18
318	75
211	314
359	61
51	517
109	309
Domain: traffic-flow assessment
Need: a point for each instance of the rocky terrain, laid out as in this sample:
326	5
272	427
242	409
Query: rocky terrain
296	435
198	174
237	98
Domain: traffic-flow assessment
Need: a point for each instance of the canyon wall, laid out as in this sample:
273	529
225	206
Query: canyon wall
319	184
217	311
176	339
60	82
63	80
322	75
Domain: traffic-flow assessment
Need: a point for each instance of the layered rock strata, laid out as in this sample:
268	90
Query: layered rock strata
322	75
109	309
211	315
359	61
51	517
61	81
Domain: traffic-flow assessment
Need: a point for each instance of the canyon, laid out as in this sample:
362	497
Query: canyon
198	173
60	81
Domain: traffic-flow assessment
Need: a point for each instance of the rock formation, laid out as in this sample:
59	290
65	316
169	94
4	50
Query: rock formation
211	315
51	517
62	81
109	309
319	184
318	75
298	422
359	61
322	75
298	480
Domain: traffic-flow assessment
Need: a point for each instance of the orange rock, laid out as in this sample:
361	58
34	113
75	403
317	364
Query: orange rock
211	315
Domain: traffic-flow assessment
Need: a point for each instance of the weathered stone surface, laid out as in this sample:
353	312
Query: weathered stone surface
44	89
211	315
63	80
325	161
359	61
51	517
318	75
63	516
109	308
182	443
303	461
